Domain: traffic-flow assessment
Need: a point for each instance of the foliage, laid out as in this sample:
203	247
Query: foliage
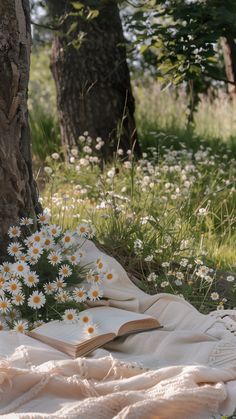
168	218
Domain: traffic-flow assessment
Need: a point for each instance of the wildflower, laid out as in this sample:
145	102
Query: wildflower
5	305
68	239
152	277
179	275
202	271
54	230
85	318
43	218
148	258
65	271
230	278
74	151
20	268
101	265
14	232
18	299
36	300
48	170
91	330
14	249
215	296
31	279
95	293
79	295
14	286
110	276
55	156
6	268
59	284
165	264
74	259
202	211
20	326
48	288
54	258
25	221
62	296
35	251
165	284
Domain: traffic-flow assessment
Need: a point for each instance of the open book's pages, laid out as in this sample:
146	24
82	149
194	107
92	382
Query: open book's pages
96	327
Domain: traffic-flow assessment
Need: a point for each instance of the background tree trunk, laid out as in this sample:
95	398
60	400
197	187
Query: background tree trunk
229	51
92	81
18	195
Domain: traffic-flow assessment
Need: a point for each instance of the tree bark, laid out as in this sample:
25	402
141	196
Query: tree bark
18	195
93	82
229	51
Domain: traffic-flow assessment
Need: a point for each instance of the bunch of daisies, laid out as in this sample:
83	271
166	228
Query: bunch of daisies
43	280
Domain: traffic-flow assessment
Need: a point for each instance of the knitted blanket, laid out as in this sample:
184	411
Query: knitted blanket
185	370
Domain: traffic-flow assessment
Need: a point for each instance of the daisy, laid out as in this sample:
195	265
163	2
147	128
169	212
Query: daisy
48	288
65	271
74	259
101	265
37	238
22	257
18	299
79	295
25	221
14	232
85	318
91	330
59	284
14	249
111	276
5	305
67	239
215	296
20	268
20	326
54	230
83	230
48	243
63	296
70	316
43	218
6	268
35	251
95	293
14	286
98	278
31	279
36	300
90	276
54	258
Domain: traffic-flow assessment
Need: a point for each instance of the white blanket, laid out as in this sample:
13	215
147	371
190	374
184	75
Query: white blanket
185	370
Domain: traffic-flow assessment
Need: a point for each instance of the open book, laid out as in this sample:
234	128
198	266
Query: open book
108	322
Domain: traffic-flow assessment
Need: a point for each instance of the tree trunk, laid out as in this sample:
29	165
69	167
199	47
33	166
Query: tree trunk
18	195
229	51
92	80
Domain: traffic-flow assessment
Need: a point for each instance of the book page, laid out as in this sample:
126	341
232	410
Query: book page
107	320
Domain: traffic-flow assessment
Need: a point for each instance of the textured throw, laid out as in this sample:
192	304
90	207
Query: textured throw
185	370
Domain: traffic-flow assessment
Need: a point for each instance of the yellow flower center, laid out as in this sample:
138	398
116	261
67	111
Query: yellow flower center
109	276
70	316
20	268
36	299
95	293
85	319
90	329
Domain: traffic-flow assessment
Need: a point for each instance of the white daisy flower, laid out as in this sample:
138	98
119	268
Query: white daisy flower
83	230
48	288
98	278
48	243
65	271
43	218
20	268
63	296
111	276
25	221
59	284
31	279
79	295
90	330
74	259
54	230
95	293
67	239
14	249
36	300
22	257
14	231
215	296
14	286
54	258
101	265
37	238
18	299
6	267
5	305
230	278
70	316
35	251
20	326
85	318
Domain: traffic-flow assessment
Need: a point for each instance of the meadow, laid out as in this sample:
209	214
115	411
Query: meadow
170	217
